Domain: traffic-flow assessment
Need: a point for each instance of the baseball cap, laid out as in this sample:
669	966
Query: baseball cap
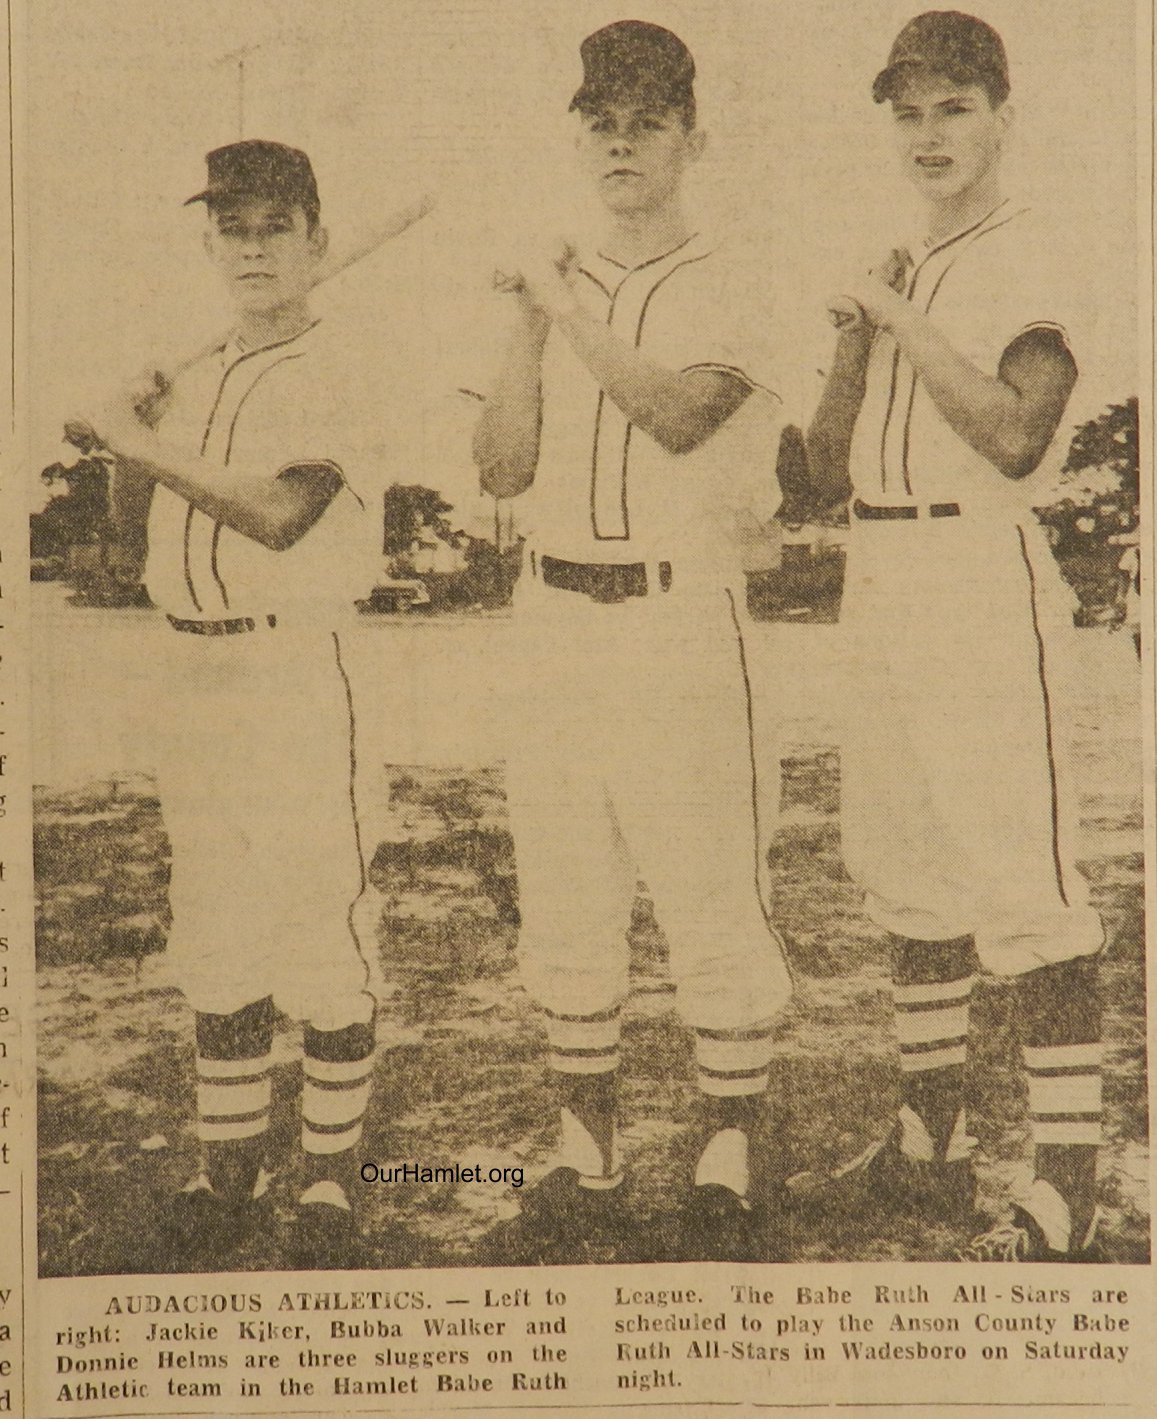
258	168
632	59
947	42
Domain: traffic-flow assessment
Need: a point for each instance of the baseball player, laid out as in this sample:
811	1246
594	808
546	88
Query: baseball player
628	408
260	532
948	389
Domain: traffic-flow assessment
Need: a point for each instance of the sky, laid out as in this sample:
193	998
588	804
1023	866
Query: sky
121	99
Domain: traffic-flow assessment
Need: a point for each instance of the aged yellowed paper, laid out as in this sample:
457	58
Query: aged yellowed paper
577	720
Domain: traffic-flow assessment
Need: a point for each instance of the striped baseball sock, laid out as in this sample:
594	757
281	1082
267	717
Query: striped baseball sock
337	1074
584	1064
234	1095
732	1072
1061	1013
931	988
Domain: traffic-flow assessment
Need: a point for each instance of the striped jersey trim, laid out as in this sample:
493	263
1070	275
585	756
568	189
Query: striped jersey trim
740	374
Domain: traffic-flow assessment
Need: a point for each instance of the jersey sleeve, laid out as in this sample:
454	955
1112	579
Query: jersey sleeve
1041	288
719	316
1037	286
341	419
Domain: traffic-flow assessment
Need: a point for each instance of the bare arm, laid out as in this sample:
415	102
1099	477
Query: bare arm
1009	418
829	436
130	497
274	509
680	409
507	433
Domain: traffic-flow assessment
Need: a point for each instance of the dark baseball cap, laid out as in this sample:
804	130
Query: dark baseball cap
258	168
961	47
636	61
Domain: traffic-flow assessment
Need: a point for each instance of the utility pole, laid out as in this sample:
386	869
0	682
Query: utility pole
239	58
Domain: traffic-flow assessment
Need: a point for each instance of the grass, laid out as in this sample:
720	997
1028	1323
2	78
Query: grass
460	1074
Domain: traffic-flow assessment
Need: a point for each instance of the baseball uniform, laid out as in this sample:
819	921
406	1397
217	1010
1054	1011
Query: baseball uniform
958	816
633	758
256	759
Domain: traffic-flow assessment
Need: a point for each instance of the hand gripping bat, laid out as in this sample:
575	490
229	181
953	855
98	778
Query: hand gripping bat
847	314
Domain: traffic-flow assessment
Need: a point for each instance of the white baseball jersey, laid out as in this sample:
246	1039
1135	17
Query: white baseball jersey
265	412
634	757
982	287
254	742
957	814
603	491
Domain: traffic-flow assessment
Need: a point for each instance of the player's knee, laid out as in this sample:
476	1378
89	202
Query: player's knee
340	1012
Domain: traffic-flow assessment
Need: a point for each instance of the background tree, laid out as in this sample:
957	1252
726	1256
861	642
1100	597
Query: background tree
409	506
77	513
1110	441
1100	509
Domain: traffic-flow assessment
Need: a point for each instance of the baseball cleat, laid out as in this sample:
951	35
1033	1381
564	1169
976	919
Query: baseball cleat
324	1237
886	1178
1039	1230
203	1227
1021	1239
717	1224
561	1222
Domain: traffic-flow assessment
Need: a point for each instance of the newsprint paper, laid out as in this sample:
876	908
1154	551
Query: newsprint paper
577	703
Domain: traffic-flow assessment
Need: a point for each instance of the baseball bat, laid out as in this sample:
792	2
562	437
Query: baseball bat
81	436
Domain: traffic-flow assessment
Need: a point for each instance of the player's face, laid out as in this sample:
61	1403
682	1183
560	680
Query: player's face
636	155
949	137
265	252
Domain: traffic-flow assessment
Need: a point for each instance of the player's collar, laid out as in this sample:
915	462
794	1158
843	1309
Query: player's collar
610	273
651	260
236	349
927	246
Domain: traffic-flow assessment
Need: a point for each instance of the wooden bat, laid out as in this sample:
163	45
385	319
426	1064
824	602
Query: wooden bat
81	436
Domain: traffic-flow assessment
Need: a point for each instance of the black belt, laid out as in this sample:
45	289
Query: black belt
236	627
607	582
867	513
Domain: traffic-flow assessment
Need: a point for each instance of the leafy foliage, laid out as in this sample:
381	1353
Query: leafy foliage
409	506
1110	441
79	514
